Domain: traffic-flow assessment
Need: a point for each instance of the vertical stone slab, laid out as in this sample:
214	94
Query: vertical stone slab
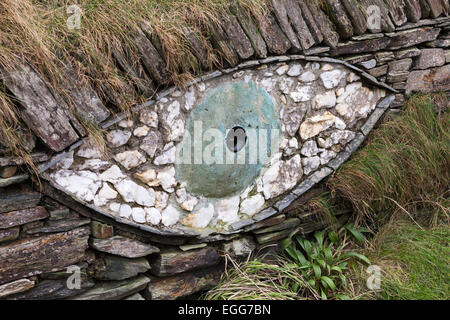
330	36
281	13
275	39
237	37
413	10
356	16
340	19
294	13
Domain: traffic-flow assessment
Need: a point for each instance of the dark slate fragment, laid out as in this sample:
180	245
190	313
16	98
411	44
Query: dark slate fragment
9	234
330	36
281	13
173	262
373	45
275	39
223	44
63	225
119	268
413	11
311	22
339	17
295	16
356	16
240	42
123	246
20	217
412	37
397	11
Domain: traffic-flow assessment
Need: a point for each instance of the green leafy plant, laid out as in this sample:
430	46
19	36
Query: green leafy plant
324	260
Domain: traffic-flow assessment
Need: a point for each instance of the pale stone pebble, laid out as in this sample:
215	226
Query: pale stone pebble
170	216
107	192
161	200
326	156
201	87
331	79
308	76
326	100
316	124
141	131
228	209
200	218
342	137
186	200
151	143
301	93
252	205
282	70
138	215
130	159
295	70
309	148
281	176
310	164
113	174
268	84
238	74
352	77
327	67
94	165
148	177
126	124
117	138
153	216
125	211
83	184
89	150
132	192
190	99
166	177
115	207
285	85
168	155
149	118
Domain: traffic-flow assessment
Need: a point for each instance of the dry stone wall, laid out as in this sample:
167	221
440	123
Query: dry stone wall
47	237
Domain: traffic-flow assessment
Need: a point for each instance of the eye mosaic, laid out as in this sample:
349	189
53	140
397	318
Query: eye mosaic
211	158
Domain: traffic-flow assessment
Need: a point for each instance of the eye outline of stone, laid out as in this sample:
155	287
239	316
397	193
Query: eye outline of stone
234	139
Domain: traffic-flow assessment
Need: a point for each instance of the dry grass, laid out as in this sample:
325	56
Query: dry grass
405	166
36	32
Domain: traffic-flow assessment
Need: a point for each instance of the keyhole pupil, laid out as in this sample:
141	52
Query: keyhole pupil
236	139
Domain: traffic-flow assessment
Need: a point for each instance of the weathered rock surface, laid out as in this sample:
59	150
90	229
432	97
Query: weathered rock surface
281	13
101	230
430	58
340	19
412	37
17	218
9	234
115	290
431	80
237	37
330	36
17	286
185	284
173	262
59	226
295	16
27	257
119	268
124	247
358	20
275	39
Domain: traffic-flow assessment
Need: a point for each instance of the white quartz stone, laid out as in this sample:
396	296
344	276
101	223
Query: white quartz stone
130	159
153	216
186	200
252	205
170	216
326	100
125	211
310	164
148	177
89	150
126	123
132	192
316	124
168	155
200	218
106	192
94	165
301	93
113	174
117	138
149	118
326	156
83	184
285	85
295	70
331	79
138	215
228	209
189	99
309	148
115	207
166	177
282	70
308	76
161	199
141	131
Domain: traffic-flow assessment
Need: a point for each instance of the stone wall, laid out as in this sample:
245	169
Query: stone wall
43	231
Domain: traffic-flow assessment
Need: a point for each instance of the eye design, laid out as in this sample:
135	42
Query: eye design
224	152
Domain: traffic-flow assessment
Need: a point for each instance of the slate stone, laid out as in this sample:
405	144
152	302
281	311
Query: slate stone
13	180
397	11
311	23
122	246
294	13
240	224
358	20
119	268
151	59
20	217
14	287
425	8
287	224
275	39
46	114
379	71
431	80
238	38
281	13
438	43
43	254
54	290
306	228
326	27
115	290
436	8
373	45
9	234
386	24
407	53
174	261
251	31
223	44
274	236
264	214
101	230
413	10
266	223
183	285
59	226
400	65
413	37
372	120
338	15
430	58
8	172
383	57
